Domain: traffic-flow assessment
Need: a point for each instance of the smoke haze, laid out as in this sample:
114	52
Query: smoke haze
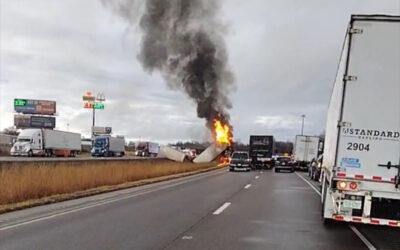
183	40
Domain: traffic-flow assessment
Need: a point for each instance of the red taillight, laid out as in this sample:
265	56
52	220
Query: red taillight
353	185
347	185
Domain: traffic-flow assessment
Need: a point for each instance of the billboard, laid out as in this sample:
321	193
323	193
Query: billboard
27	121
22	121
40	107
43	122
101	130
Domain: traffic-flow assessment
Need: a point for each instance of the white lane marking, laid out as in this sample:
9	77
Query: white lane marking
353	228
362	237
247	186
73	210
222	208
309	183
257	177
187	237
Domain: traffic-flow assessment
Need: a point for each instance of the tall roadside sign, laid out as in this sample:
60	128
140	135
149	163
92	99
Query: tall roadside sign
39	107
33	113
93	102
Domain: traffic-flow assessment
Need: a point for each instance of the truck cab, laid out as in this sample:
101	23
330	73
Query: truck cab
29	142
100	146
108	146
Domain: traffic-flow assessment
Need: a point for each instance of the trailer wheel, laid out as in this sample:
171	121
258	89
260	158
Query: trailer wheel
30	153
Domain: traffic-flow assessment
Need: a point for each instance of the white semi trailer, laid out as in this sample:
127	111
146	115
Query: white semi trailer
46	142
305	150
362	145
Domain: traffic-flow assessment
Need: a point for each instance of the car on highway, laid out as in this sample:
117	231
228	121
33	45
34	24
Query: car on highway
283	163
240	161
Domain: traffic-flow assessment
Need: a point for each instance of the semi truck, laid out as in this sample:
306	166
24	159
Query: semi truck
46	142
261	149
146	149
305	150
362	146
108	146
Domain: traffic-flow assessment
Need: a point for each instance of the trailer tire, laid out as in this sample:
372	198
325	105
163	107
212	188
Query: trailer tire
30	153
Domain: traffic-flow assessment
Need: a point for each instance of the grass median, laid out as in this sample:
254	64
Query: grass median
32	183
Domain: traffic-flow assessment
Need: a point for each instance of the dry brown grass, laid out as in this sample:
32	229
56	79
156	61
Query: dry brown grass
34	180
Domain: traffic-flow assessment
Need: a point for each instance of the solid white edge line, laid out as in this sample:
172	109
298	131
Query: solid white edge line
362	237
222	208
309	183
73	210
247	186
353	228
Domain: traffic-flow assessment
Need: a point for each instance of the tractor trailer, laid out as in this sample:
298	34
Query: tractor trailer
305	150
108	146
261	149
46	142
362	146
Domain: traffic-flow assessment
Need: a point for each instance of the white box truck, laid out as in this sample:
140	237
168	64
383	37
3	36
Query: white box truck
305	150
108	146
46	142
362	145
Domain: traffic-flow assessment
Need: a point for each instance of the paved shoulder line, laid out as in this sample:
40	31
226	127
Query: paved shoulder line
353	228
362	237
309	183
222	208
112	200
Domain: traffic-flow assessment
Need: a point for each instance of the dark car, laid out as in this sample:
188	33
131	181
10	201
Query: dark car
283	163
240	161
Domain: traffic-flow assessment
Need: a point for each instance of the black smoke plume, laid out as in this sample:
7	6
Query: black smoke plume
183	40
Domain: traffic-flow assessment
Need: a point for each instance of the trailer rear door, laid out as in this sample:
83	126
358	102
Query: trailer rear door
370	124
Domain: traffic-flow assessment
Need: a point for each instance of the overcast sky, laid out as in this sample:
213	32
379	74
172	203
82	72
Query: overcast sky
284	55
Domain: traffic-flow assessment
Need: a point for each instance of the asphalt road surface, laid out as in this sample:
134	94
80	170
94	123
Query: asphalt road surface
214	210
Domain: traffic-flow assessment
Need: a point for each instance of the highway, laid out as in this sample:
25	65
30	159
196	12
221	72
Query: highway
214	210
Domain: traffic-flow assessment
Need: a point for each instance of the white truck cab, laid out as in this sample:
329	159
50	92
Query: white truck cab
29	142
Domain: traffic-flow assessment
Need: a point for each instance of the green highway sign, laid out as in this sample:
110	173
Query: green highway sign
98	105
19	102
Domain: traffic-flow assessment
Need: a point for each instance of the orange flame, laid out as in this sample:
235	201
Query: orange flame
223	133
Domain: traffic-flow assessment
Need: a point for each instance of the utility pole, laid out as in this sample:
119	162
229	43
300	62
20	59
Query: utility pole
302	124
94	117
